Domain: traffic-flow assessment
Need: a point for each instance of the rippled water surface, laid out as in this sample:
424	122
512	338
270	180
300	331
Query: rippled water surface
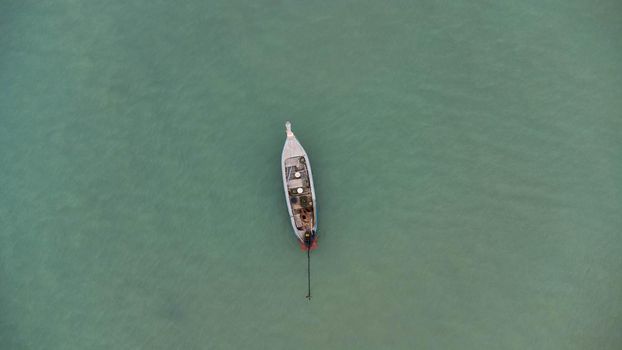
467	159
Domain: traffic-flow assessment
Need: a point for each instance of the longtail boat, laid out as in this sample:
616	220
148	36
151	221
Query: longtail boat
299	194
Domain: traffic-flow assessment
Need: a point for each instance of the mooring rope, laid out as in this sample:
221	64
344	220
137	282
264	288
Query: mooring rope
309	270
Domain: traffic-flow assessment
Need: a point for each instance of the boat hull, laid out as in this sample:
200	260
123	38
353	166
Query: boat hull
299	191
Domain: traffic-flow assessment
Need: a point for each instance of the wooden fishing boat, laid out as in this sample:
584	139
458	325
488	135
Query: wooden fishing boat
299	191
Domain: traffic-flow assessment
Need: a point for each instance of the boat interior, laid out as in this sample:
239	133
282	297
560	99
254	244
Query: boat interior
299	193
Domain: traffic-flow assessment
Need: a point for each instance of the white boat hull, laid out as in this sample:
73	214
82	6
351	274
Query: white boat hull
299	188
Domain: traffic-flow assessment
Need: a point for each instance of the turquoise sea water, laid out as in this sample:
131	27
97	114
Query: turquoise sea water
467	158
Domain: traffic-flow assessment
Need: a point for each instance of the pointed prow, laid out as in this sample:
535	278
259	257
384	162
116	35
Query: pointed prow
288	129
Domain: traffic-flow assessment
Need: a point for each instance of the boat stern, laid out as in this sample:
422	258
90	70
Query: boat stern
303	246
306	238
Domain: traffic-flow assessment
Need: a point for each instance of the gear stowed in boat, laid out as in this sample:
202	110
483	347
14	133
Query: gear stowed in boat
299	194
299	191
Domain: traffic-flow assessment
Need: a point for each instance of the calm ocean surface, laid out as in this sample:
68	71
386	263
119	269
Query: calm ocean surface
467	159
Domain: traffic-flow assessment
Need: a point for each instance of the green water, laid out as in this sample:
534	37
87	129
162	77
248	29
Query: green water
467	159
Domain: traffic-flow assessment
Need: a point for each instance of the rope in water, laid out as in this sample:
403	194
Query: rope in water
309	270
